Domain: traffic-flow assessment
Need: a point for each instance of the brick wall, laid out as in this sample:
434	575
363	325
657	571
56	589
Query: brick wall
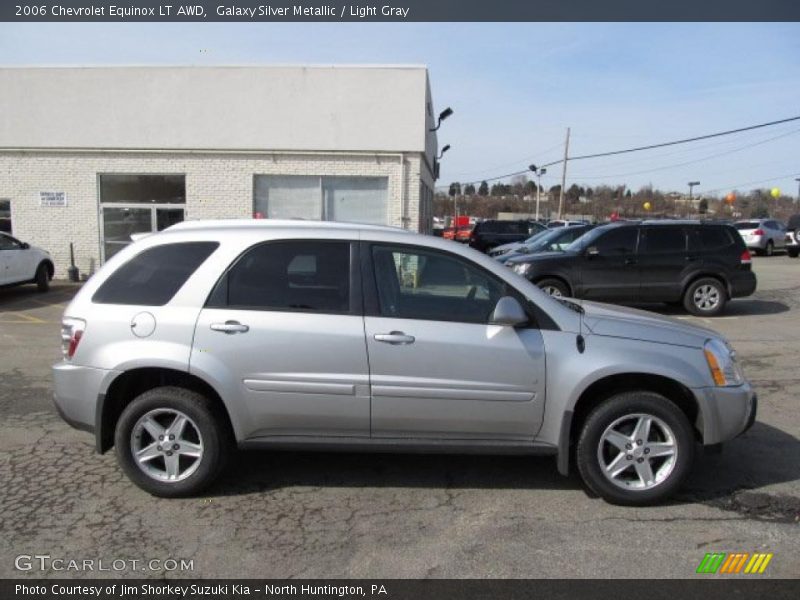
218	185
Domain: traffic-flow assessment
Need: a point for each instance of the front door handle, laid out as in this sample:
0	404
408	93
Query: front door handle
230	327
394	338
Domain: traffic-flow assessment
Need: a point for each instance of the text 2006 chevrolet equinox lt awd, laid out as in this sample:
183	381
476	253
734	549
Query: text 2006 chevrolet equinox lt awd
290	334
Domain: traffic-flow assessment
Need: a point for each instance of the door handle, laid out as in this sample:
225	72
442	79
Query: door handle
395	338
230	327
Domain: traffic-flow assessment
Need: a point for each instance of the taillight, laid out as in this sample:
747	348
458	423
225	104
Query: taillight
71	334
746	259
758	232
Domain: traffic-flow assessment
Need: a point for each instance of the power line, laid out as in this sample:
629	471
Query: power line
648	147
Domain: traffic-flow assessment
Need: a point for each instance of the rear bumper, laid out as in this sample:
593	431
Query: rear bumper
725	412
75	393
744	284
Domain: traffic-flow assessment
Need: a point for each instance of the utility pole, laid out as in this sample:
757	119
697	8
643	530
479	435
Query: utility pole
797	179
563	178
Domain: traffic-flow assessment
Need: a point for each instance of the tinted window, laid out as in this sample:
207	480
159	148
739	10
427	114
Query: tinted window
419	284
662	240
715	238
290	276
746	225
8	243
618	242
152	277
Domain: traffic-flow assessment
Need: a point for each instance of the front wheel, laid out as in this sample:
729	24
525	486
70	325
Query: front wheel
705	297
42	278
553	287
636	448
171	441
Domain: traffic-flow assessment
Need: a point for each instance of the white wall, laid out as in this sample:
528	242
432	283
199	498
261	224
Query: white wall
216	108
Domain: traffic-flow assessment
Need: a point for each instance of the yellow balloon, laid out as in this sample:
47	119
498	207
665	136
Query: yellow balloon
775	193
647	206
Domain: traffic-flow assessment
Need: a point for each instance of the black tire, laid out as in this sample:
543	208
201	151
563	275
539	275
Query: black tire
696	307
770	249
793	252
617	408
42	278
553	284
205	416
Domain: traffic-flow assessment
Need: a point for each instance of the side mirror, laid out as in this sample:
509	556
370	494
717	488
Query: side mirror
508	312
592	251
25	245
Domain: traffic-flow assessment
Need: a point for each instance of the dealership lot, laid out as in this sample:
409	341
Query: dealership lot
348	515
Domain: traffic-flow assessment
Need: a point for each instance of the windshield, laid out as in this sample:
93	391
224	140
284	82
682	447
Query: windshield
536	236
547	241
746	225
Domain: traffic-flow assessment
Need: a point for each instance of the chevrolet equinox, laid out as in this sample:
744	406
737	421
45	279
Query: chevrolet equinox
290	334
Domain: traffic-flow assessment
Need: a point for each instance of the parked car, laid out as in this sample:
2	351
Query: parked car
559	223
449	233
463	233
503	249
698	265
551	240
793	236
22	263
762	235
492	233
291	334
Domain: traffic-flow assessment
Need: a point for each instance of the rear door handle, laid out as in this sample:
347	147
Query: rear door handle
395	338
230	327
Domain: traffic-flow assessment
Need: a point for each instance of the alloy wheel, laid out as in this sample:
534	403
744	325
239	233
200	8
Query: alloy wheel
552	290
637	452
166	445
706	297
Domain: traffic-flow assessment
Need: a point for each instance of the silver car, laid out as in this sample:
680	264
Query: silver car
332	336
762	235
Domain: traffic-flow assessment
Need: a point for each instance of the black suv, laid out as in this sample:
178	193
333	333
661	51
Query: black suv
490	234
698	265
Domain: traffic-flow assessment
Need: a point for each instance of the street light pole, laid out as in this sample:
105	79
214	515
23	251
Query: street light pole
797	179
691	188
538	173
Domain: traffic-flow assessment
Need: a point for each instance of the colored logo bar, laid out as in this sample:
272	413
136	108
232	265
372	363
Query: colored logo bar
734	562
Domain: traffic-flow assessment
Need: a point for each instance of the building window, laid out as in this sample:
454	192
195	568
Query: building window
354	199
132	203
5	216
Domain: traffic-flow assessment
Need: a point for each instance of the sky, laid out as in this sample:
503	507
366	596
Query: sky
516	87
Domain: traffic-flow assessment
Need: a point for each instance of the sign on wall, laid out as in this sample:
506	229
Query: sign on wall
52	199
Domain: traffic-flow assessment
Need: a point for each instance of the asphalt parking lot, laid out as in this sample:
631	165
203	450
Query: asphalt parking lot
348	515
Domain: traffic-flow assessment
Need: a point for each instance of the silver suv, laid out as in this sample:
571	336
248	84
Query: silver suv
258	334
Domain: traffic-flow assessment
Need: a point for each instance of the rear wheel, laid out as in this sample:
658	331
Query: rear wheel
705	297
553	287
636	448
171	441
793	252
770	249
42	278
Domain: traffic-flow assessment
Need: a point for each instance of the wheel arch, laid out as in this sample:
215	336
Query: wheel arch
558	277
131	383
710	275
610	385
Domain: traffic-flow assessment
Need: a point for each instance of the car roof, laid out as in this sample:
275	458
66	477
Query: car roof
271	224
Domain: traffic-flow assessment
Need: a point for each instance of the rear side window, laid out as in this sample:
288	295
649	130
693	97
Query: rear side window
153	277
664	240
311	276
715	238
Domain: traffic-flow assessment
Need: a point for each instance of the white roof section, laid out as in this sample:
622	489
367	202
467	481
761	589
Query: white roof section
259	108
227	224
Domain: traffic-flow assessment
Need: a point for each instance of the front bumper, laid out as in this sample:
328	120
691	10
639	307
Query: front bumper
75	393
725	412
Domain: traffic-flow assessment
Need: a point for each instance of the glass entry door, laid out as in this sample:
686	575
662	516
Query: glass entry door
120	222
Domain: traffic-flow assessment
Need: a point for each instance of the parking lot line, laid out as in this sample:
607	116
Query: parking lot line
25	318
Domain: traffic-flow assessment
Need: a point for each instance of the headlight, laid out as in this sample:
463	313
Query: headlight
521	268
721	359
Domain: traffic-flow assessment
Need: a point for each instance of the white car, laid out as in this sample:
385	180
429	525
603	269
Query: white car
22	263
762	235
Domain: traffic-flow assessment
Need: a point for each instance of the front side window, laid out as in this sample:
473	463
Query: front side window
422	284
298	275
618	242
153	277
8	243
664	240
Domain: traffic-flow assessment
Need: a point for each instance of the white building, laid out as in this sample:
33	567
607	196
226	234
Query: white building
91	155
